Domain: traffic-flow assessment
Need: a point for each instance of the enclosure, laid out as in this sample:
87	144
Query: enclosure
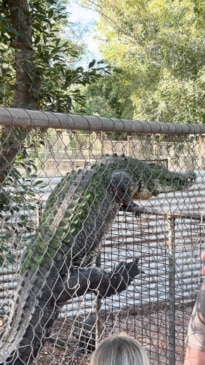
168	235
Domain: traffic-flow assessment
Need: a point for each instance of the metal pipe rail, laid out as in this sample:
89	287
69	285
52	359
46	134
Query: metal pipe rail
169	214
41	119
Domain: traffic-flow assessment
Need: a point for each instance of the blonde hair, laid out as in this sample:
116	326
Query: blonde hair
119	350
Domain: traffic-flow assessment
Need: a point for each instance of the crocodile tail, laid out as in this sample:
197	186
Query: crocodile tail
33	314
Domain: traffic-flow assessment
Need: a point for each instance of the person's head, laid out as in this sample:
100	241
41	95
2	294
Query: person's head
119	350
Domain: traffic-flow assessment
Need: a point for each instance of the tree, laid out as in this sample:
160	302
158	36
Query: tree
37	66
109	96
160	45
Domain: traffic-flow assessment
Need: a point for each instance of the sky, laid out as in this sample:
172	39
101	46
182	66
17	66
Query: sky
79	13
85	20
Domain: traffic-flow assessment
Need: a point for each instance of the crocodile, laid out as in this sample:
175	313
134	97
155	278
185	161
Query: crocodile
59	262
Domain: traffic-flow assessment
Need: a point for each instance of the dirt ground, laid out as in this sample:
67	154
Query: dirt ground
152	329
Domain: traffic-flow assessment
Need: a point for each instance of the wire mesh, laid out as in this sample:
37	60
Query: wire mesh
167	236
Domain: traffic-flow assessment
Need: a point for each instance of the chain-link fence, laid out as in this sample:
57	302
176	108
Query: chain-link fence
93	245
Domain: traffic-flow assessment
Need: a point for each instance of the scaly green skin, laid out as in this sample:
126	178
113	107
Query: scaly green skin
77	215
154	179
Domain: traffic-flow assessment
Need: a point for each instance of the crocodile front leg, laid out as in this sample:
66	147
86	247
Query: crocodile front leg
133	208
43	304
103	283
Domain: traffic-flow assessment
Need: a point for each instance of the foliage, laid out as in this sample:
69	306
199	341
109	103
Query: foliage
160	45
109	96
55	78
17	200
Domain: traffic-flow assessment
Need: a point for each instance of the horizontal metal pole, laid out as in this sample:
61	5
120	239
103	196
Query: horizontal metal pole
169	214
39	119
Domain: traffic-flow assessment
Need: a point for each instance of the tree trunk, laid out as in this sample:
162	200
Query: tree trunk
12	140
27	84
21	22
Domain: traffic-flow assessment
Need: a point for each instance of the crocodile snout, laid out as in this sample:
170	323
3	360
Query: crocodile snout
188	179
192	177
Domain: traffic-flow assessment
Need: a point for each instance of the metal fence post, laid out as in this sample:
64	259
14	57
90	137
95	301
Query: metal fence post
98	306
171	293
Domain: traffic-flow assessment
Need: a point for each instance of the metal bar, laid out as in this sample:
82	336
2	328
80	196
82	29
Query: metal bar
176	214
39	119
171	294
98	329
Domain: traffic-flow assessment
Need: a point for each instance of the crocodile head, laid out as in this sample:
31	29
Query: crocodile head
156	179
